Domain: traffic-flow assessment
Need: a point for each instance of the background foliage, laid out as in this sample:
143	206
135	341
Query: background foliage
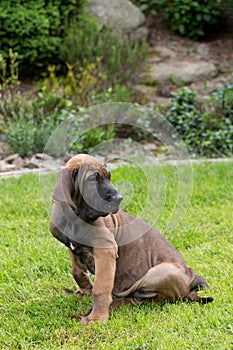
97	66
206	127
114	56
188	18
35	30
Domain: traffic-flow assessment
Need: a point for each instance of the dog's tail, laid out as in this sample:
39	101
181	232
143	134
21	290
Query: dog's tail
193	296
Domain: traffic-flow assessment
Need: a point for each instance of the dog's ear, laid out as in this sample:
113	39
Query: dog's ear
65	187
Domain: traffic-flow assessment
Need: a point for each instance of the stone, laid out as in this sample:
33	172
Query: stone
180	72
122	16
161	53
34	163
203	49
11	158
19	163
164	91
43	156
151	146
60	161
138	34
145	93
51	164
4	148
4	166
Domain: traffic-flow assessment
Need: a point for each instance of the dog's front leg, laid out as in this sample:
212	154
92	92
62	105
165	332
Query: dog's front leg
105	266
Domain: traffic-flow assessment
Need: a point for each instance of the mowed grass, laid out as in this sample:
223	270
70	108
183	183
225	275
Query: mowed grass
37	312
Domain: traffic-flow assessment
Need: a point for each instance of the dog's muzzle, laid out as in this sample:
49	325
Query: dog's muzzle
115	202
111	204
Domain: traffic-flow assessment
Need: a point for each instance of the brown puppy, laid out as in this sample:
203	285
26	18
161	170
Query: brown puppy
129	258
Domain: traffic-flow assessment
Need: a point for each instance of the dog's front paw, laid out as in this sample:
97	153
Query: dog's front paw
86	320
91	318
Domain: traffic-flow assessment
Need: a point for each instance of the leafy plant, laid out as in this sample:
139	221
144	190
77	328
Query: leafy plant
117	93
114	56
74	85
207	129
79	46
151	6
35	29
191	18
98	64
20	136
29	124
9	77
188	18
223	98
49	104
93	137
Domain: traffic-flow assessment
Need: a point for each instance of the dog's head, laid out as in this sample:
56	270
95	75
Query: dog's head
84	184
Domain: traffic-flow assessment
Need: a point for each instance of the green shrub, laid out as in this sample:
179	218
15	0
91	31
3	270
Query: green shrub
74	85
92	138
192	18
56	32
115	57
223	99
207	129
151	6
79	45
9	77
28	125
34	29
25	136
98	64
47	105
20	136
184	113
116	93
188	18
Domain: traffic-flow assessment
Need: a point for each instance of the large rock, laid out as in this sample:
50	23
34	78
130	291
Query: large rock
4	166
120	15
180	72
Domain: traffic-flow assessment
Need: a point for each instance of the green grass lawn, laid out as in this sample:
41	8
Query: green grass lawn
37	312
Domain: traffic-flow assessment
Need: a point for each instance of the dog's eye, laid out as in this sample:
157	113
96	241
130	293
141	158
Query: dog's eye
94	177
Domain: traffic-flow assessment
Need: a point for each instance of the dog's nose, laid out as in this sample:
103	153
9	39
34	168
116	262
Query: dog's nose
118	198
114	196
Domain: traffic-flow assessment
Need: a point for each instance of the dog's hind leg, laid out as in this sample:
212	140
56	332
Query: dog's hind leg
169	283
118	302
165	282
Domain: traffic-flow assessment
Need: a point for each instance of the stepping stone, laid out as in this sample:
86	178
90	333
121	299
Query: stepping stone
179	72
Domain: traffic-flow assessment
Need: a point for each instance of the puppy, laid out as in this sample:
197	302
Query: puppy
129	258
